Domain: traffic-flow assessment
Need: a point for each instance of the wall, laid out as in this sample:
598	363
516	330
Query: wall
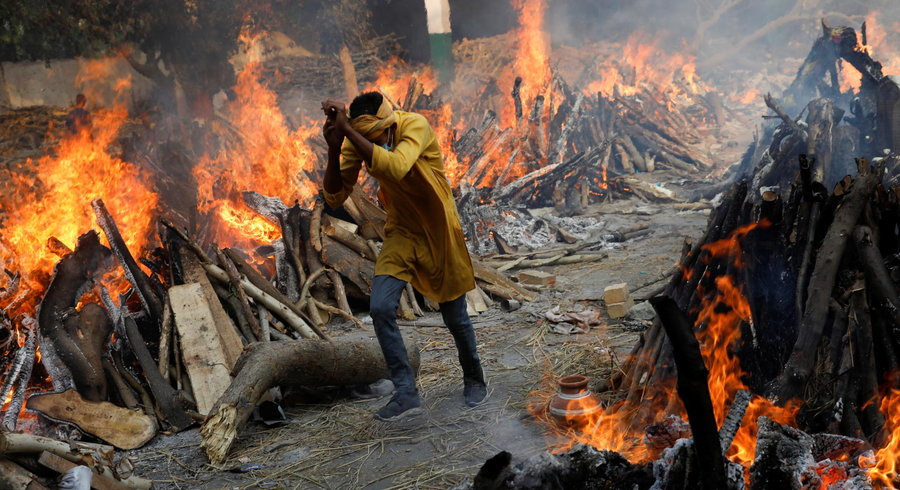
57	83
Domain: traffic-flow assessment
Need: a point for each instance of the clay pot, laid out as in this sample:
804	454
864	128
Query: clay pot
574	402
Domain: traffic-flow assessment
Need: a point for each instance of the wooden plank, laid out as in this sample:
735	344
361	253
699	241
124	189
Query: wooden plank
60	465
227	332
373	217
201	345
489	275
121	427
339	223
14	477
476	301
349	263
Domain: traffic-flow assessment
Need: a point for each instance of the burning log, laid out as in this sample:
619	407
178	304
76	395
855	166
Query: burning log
144	289
293	363
732	422
71	275
694	391
19	375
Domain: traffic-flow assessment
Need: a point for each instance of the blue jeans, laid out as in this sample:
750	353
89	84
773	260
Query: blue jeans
385	298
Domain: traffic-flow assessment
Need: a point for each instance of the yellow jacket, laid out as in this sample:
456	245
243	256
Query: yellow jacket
424	242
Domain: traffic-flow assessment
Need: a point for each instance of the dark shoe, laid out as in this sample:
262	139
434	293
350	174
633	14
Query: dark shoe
474	393
400	406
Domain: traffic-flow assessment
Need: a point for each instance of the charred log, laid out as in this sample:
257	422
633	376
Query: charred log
297	363
73	275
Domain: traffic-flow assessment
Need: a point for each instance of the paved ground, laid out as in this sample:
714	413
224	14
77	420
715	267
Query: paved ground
331	440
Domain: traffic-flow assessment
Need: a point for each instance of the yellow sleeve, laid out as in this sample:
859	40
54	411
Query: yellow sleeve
350	165
412	138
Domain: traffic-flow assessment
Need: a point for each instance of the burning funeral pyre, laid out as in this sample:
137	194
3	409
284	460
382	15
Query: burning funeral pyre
208	265
783	315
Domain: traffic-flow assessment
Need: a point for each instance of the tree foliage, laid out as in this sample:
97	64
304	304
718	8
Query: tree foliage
43	30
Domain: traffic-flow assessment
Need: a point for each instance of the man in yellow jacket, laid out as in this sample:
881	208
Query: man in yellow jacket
424	243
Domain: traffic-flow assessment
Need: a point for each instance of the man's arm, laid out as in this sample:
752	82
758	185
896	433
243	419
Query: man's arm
332	182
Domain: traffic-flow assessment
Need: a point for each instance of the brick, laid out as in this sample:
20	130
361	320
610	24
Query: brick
616	293
537	278
618	310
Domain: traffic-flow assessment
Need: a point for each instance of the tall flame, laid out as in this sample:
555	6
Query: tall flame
55	202
885	473
880	45
532	60
266	157
720	319
645	62
718	329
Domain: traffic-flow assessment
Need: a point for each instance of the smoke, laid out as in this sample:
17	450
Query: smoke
724	35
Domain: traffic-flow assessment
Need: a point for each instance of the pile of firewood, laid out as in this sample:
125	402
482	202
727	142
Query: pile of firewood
568	150
569	154
820	273
180	345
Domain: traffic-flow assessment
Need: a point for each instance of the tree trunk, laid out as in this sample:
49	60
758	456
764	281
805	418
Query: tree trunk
304	363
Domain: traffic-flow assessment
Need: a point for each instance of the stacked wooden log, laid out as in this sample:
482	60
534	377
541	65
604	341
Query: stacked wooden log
819	276
575	148
176	346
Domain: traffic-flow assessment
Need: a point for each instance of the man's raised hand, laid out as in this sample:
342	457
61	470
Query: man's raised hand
336	111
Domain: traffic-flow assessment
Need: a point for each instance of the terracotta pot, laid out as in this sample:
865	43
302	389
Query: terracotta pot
574	401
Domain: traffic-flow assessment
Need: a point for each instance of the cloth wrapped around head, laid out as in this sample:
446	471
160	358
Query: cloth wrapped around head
371	126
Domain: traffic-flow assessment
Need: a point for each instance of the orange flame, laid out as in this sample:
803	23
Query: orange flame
884	474
267	157
719	334
880	44
719	323
644	62
850	78
57	202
